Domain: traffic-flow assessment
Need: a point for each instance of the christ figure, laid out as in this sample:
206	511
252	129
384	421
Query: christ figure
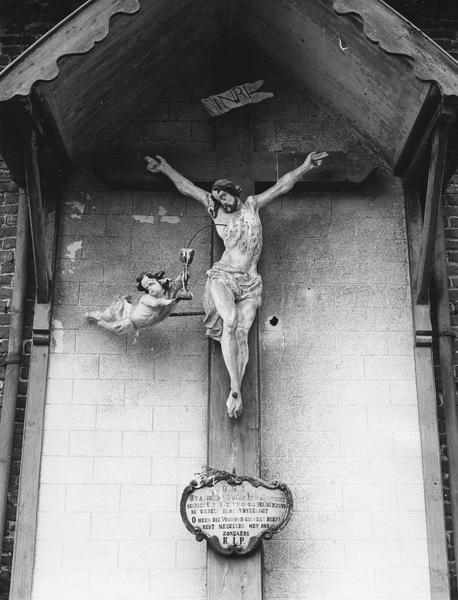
234	288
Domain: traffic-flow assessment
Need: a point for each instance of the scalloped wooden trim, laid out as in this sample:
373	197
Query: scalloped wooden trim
397	36
40	61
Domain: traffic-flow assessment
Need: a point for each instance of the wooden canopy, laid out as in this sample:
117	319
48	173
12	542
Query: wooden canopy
364	62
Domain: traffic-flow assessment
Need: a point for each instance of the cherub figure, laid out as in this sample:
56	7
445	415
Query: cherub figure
160	298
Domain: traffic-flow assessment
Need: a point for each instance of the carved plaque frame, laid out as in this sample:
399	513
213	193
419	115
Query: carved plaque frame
209	479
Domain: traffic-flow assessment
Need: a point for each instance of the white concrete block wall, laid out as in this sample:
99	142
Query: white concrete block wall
339	410
125	424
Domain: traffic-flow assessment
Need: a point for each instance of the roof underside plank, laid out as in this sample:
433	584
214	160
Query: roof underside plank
375	93
142	55
396	35
76	34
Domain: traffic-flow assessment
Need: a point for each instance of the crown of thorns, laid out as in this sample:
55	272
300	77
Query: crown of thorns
228	186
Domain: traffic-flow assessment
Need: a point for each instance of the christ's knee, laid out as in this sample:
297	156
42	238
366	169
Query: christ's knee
230	323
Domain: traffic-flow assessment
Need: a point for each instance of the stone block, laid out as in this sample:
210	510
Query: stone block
308	444
89	391
190	555
90	554
414	553
122	470
407	443
179	418
348	583
62	341
48	555
68	583
70	247
182	583
320	471
146	443
317	498
361	344
374	497
410	497
78	224
292	583
73	366
69	417
95	443
403	392
366	444
120	526
320	418
118	225
346	526
147	555
97	293
63	526
66	292
79	270
92	498
389	367
405	582
110	202
159	204
188	111
399	525
151	393
148	498
114	367
51	498
119	583
55	443
167	131
367	553
177	471
66	469
393	418
105	249
124	418
396	469
192	444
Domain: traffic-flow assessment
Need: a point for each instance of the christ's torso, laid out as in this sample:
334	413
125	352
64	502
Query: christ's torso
241	233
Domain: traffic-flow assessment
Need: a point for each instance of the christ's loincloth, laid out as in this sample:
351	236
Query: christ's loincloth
242	285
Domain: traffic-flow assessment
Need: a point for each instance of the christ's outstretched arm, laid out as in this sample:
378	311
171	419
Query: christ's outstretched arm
287	182
183	185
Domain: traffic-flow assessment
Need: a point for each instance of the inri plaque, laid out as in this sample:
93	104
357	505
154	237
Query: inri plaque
235	513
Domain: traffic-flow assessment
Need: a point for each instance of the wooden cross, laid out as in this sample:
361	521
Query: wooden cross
232	444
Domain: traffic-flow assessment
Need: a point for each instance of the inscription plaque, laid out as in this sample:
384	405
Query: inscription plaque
234	513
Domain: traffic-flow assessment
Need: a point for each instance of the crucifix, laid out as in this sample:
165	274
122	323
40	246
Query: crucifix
233	444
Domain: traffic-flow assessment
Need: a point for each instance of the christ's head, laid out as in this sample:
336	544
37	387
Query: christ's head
226	194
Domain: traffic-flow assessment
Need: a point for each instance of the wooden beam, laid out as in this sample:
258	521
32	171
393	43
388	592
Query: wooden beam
126	170
234	444
37	219
433	192
426	394
26	522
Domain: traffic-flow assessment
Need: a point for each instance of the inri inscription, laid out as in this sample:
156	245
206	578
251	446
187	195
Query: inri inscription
235	513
